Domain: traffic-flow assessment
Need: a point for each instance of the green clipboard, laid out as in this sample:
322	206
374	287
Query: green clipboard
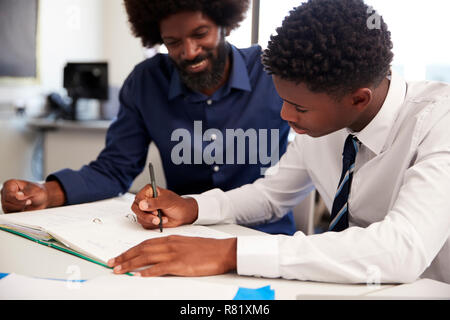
56	245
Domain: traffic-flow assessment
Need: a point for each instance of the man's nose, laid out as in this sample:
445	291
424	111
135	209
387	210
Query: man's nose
190	50
288	113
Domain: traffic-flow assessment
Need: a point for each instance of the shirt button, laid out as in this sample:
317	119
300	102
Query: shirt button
216	168
213	137
209	102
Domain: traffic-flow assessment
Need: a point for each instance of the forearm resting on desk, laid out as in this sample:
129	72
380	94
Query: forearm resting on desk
178	255
20	195
56	194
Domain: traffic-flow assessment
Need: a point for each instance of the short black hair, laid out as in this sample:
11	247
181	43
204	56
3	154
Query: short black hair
145	15
331	46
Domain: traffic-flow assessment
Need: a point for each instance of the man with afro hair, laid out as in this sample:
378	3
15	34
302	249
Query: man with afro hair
203	82
375	147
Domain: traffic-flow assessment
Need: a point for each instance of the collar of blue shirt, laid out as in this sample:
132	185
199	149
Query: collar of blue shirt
239	79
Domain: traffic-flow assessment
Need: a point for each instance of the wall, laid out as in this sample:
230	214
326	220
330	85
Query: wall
78	30
68	30
121	49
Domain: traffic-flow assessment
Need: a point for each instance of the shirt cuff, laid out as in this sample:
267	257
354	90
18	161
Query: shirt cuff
72	184
258	256
208	209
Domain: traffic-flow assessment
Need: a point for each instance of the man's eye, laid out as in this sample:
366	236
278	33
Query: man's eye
300	110
200	35
171	43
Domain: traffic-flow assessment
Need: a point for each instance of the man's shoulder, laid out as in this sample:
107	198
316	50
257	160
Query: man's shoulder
251	55
431	91
151	71
427	103
156	65
426	96
251	52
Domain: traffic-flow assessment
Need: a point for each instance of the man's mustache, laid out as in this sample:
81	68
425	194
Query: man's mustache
186	63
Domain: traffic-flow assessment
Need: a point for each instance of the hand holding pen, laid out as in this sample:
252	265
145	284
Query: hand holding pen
155	194
166	209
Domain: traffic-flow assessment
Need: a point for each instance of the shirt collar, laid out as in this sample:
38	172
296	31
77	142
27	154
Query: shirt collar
375	134
239	78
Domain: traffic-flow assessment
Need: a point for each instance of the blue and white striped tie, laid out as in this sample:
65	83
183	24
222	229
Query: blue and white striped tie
339	212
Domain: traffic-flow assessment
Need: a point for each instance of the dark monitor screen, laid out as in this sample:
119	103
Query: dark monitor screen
86	80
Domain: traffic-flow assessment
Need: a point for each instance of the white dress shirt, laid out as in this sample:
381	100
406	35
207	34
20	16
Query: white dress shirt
399	204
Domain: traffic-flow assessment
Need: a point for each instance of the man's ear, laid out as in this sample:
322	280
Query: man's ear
227	31
361	98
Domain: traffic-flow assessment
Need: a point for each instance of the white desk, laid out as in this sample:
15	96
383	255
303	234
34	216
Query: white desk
25	257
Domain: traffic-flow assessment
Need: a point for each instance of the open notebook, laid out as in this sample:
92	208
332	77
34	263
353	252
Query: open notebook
95	231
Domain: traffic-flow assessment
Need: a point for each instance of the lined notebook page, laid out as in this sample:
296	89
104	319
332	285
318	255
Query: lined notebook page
101	230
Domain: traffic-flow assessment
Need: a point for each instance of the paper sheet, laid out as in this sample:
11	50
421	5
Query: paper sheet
17	287
101	230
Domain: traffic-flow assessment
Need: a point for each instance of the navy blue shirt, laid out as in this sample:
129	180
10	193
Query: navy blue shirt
191	131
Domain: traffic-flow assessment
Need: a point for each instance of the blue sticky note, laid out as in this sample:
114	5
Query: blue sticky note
65	280
264	293
2	275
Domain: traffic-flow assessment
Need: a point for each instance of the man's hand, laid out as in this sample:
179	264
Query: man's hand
177	255
19	195
176	210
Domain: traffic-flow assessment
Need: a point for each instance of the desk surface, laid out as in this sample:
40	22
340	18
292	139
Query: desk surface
22	256
25	257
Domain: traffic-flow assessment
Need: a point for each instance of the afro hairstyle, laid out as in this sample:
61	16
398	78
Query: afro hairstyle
331	47
145	15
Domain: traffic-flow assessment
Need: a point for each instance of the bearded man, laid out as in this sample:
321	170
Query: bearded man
203	82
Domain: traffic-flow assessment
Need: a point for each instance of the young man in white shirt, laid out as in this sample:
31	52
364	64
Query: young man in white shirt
388	195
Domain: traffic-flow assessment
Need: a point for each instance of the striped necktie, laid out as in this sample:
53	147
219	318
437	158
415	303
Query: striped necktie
339	212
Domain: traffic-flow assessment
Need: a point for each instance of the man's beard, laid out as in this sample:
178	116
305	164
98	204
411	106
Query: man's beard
209	78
